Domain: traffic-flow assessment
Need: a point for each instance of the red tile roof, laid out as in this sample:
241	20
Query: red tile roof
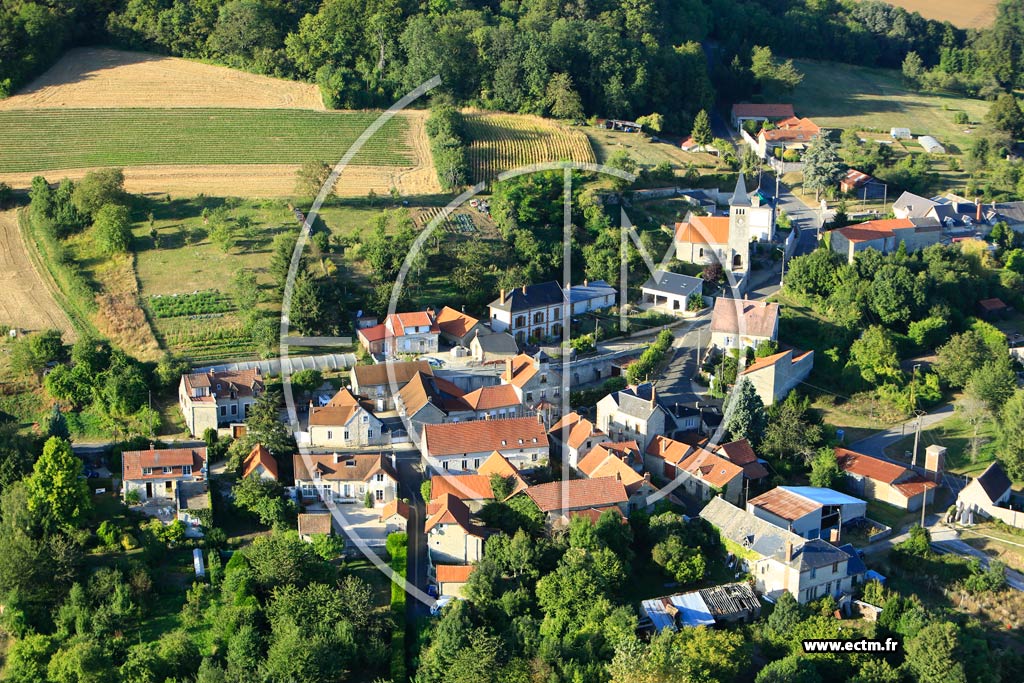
462	486
523	368
453	573
341	466
874	230
575	494
374	375
594	514
496	463
338	411
489	398
581	431
259	455
395	507
484	435
992	304
738	452
670	450
450	510
703	230
400	321
868	466
768	361
455	323
242	382
133	462
715	470
792	129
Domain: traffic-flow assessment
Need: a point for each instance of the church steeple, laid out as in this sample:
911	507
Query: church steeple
739	195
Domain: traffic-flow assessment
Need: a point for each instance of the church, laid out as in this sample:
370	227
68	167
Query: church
726	239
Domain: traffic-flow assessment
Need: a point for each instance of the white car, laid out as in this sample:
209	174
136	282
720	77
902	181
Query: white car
439	604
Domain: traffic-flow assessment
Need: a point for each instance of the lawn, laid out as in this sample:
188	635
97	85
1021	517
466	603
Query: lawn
890	515
846	96
363	569
955	434
41	139
647	153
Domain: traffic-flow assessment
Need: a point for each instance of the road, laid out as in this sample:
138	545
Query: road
675	384
947	540
806	219
409	478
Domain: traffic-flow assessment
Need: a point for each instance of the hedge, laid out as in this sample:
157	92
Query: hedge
649	360
398	550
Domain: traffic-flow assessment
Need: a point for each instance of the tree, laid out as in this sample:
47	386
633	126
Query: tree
958	358
932	654
264	426
825	471
654	122
311	176
874	356
112	228
262	497
57	491
246	290
790	430
895	295
786	615
775	77
307	380
1005	115
57	425
621	160
913	68
97	188
928	332
823	167
791	669
994	382
745	416
684	564
1010	435
701	132
562	99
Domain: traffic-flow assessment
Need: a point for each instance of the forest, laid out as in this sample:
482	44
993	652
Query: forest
613	58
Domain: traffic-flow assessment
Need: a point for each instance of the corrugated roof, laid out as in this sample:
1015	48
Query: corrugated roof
784	504
823	496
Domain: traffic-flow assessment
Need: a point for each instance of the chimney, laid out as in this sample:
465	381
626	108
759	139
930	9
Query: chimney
524	289
152	447
394	460
653	395
789	551
503	296
647	477
586	282
977	213
337	458
540	417
508	368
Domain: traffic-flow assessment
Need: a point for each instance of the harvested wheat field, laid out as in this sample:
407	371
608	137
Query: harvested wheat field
26	302
96	78
969	14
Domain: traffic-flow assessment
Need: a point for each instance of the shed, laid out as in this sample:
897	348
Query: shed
673	611
197	562
900	133
930	144
992	309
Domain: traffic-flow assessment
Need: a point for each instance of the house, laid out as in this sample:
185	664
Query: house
779	560
718	239
460	447
930	144
452	535
900	133
776	375
380	382
624	461
701	473
401	333
558	499
807	511
155	475
495	402
596	295
347	421
877	479
741	324
315	523
535	381
760	112
472	489
791	133
211	399
575	436
452	578
885	236
634	413
395	516
988	495
740	453
670	291
427	399
536	311
690	145
345	477
497	464
910	205
260	463
854	180
729	603
491	348
458	328
992	309
620	125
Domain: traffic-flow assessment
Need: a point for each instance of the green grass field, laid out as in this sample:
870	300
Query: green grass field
845	96
42	139
955	434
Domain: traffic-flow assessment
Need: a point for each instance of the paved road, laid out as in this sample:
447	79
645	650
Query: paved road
947	540
675	386
806	219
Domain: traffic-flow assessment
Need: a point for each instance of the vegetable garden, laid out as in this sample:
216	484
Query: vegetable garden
198	303
500	142
42	139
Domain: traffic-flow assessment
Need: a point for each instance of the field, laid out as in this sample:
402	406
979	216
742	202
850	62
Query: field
644	151
186	128
89	78
26	301
500	142
844	96
971	14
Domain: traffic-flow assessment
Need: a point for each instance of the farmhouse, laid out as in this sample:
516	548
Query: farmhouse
211	399
459	328
463	446
877	479
378	382
347	421
156	475
670	291
792	133
807	511
760	112
775	376
861	185
885	236
634	414
779	560
740	323
401	333
345	477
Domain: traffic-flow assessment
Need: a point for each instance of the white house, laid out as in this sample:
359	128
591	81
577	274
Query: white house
537	311
776	375
346	477
461	447
345	422
156	474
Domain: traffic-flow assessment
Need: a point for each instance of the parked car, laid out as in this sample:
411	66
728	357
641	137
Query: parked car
439	604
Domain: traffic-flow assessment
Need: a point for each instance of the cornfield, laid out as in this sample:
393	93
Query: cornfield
501	142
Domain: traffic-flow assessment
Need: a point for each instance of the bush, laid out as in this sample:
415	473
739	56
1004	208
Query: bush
650	358
108	533
446	129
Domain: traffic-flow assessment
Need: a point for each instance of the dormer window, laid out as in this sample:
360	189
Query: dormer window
167	470
186	470
146	471
503	442
316	474
520	442
350	463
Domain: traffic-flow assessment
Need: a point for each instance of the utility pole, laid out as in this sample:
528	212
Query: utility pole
917	438
924	504
913	407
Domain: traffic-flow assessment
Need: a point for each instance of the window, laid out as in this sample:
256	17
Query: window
529	396
330	435
445	465
316	474
701	254
828	588
380	476
503	442
186	470
476	463
534	457
366	419
464	465
234	409
223	411
146	471
369	433
380	495
344	434
814	572
835	567
544	378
